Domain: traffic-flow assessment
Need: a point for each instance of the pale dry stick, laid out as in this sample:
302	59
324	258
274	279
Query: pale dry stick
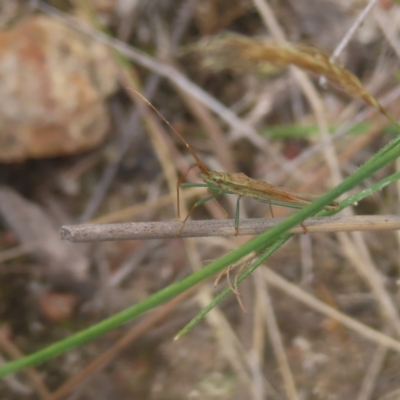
172	75
269	20
363	330
306	260
360	257
349	34
397	166
374	368
387	28
355	249
257	374
275	336
207	228
131	262
257	350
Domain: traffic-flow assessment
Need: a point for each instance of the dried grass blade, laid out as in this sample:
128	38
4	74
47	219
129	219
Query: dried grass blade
237	52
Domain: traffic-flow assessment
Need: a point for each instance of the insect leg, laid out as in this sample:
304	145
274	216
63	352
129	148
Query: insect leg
178	185
237	215
219	191
267	202
272	212
197	204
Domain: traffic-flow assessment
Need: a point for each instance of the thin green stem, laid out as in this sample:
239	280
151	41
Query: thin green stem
385	156
228	290
345	203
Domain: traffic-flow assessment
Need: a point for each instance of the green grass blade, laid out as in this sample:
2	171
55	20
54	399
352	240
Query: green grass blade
345	203
384	157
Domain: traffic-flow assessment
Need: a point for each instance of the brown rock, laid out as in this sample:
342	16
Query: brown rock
53	82
58	307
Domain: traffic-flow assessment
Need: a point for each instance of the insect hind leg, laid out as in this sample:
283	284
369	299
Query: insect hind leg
218	192
197	204
178	186
237	213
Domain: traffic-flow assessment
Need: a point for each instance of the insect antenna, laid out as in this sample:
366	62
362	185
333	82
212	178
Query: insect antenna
181	179
201	166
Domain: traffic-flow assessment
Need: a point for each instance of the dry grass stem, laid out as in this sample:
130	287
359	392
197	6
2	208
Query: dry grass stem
350	33
292	290
276	338
358	253
239	52
374	368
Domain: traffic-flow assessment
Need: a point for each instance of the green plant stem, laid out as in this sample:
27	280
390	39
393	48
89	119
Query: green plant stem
345	203
382	158
228	290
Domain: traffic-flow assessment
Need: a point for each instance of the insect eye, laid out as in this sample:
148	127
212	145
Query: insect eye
218	180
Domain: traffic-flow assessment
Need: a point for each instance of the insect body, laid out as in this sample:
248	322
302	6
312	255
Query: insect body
218	183
240	184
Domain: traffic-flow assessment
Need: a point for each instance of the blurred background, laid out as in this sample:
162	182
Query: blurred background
77	146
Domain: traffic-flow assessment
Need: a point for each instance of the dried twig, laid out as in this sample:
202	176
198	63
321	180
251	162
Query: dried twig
349	34
255	226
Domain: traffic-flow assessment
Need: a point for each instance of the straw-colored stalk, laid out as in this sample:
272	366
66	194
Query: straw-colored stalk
237	52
